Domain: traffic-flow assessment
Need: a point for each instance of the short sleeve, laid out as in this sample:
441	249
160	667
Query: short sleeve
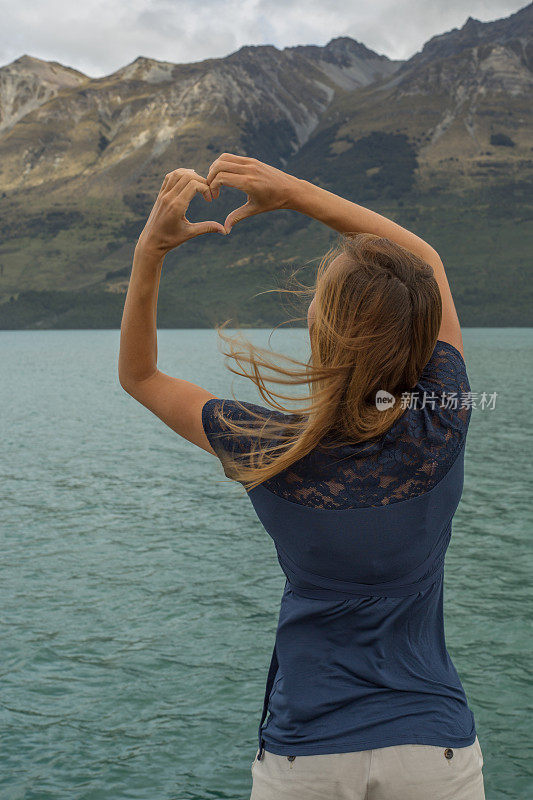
224	441
445	371
444	392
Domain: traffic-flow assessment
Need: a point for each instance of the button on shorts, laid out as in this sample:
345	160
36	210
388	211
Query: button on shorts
399	772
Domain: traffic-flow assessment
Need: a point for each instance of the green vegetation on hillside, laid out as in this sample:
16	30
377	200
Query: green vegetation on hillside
379	166
439	143
484	238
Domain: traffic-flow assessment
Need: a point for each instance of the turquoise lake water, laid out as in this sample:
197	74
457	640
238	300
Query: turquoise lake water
139	593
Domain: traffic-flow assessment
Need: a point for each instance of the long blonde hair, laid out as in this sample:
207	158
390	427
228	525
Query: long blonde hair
377	313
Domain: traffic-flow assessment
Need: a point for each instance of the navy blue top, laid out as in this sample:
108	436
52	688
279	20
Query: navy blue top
361	532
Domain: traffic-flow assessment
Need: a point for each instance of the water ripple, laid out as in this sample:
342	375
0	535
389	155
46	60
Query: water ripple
139	594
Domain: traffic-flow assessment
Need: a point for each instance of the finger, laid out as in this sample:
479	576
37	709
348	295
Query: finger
180	177
232	157
233	179
187	187
171	178
226	168
226	165
247	210
198	228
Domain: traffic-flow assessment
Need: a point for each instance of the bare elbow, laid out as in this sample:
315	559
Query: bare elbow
125	382
132	384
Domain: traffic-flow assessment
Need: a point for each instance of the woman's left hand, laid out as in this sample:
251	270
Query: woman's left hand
167	226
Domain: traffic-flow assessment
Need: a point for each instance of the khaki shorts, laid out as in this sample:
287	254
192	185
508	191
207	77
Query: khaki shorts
401	772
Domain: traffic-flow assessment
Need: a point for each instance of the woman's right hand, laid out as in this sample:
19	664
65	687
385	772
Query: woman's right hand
267	188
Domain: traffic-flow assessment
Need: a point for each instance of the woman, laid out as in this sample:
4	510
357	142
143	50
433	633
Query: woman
357	488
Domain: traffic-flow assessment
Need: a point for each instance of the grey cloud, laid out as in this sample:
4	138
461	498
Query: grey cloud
99	37
401	29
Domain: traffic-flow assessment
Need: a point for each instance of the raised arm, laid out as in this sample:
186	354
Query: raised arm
269	188
177	402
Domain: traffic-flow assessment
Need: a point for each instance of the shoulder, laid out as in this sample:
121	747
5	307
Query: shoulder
218	414
446	367
441	401
217	409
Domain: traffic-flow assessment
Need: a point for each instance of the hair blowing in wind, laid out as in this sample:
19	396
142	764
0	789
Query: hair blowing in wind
376	317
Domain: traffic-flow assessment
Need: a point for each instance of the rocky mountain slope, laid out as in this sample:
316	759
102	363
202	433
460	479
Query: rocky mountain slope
133	121
463	105
28	83
440	142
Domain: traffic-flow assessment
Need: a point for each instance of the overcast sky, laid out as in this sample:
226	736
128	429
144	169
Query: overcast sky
99	36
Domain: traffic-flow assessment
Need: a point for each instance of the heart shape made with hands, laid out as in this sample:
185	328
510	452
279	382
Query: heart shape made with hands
182	185
266	188
238	214
234	216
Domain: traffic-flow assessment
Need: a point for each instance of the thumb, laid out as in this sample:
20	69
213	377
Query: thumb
198	228
247	210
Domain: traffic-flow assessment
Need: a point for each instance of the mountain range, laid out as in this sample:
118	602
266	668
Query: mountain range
441	143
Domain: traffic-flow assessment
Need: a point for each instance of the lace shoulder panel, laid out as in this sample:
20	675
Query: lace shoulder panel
407	461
